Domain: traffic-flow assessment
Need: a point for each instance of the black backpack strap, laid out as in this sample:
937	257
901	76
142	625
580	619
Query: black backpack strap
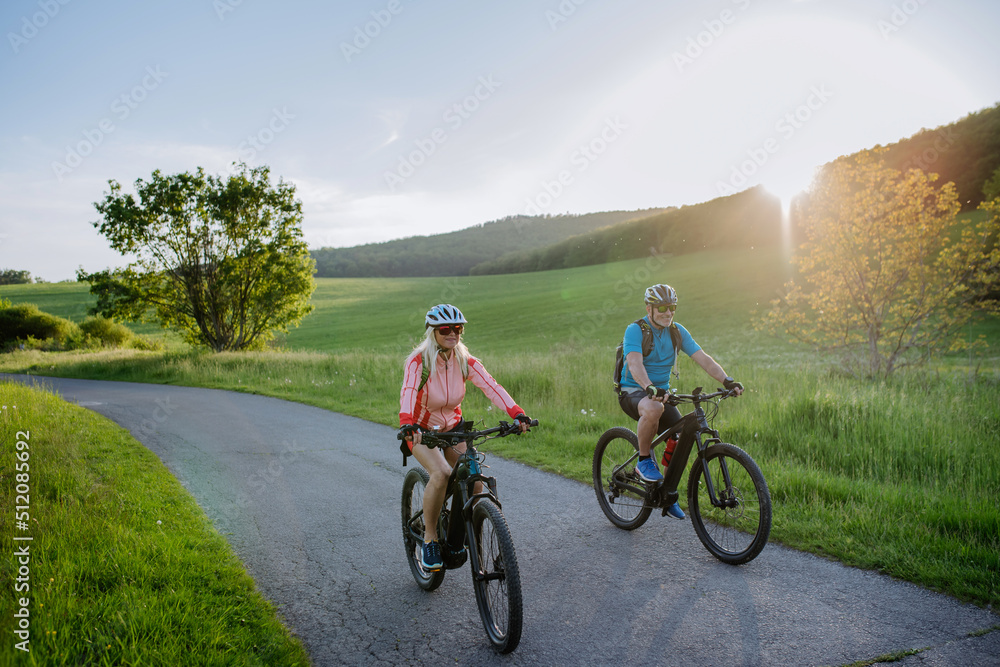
647	347
675	338
647	336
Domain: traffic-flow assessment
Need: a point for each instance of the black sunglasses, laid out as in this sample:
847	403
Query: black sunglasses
663	309
448	328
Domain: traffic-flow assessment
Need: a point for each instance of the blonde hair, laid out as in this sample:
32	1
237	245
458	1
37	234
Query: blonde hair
428	350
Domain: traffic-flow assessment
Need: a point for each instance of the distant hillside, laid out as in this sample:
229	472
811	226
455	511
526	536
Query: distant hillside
748	219
965	152
456	253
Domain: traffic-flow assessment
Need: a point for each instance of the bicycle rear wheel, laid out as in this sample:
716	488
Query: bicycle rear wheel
616	481
413	528
498	581
736	531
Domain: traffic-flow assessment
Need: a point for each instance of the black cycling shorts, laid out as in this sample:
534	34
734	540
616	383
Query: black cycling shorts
630	406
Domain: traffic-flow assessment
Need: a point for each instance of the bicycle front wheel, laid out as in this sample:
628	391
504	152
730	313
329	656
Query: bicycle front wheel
413	528
498	581
616	482
735	529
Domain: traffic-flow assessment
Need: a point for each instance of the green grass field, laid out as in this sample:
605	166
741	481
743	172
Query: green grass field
895	476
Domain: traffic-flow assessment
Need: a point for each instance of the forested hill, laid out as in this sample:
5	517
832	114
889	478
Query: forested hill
748	219
456	253
965	152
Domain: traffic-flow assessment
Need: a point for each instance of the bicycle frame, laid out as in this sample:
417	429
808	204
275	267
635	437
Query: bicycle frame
466	473
691	428
461	490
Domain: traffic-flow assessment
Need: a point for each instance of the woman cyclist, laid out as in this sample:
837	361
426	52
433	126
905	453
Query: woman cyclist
434	380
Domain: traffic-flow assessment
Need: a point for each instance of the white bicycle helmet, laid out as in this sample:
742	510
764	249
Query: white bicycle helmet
661	295
443	313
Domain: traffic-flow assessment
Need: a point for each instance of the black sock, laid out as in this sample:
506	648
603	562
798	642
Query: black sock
643	458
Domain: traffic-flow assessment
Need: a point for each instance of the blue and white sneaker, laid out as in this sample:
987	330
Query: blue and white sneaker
676	511
430	556
648	471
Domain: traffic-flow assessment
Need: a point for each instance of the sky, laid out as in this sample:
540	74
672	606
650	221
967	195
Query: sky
397	118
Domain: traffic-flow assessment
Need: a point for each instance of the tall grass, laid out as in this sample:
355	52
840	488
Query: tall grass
898	476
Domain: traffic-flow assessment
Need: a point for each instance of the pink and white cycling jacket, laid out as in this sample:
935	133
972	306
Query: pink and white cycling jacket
439	403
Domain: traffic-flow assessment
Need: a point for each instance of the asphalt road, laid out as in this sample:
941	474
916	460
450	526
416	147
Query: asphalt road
309	500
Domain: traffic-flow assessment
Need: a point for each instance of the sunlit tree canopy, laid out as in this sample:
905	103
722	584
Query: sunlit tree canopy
888	273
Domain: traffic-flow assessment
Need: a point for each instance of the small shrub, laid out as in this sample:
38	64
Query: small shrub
25	323
106	332
146	344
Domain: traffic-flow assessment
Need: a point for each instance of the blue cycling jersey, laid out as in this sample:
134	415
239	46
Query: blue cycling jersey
660	361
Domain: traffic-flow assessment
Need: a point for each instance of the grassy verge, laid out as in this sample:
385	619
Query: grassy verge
892	476
123	568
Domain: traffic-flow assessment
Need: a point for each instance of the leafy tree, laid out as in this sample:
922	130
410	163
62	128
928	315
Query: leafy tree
890	273
991	188
222	261
991	206
14	277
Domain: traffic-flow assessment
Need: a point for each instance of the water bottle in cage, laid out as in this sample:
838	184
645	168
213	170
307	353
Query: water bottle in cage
668	450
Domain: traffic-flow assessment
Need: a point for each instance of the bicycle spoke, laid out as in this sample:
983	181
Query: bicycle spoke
616	481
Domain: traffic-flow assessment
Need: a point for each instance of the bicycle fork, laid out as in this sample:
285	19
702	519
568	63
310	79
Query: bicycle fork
467	527
728	499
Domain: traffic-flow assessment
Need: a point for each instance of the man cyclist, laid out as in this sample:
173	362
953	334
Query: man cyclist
645	380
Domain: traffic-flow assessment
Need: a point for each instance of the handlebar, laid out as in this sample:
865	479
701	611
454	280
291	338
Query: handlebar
697	397
451	438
